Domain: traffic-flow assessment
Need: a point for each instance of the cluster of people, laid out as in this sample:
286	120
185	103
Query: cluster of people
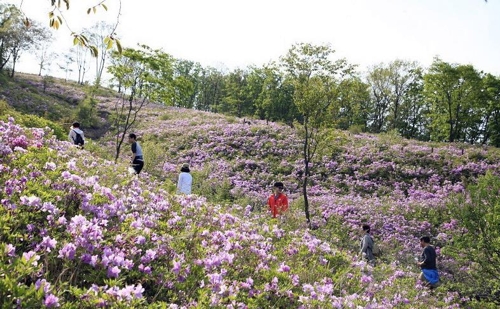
426	261
185	180
278	204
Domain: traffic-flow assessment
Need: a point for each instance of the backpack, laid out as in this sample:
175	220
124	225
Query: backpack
376	250
78	139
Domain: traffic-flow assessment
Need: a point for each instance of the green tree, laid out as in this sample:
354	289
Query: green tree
9	16
275	102
16	38
491	87
186	82
353	108
455	97
315	78
390	85
210	93
414	110
252	93
143	75
238	98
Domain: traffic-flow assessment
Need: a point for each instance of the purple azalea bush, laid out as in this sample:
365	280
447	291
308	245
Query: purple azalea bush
80	231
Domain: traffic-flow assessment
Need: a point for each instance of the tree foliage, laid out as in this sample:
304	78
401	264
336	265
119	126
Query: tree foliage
476	244
456	97
391	85
315	77
16	37
143	75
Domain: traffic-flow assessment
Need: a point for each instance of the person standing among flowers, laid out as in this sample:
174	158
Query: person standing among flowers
137	156
185	180
277	202
76	135
366	245
427	263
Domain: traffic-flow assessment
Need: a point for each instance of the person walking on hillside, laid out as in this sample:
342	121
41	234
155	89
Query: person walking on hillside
427	263
277	202
76	135
185	180
137	156
367	245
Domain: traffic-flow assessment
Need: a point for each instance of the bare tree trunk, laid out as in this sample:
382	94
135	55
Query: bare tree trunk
15	56
130	118
306	171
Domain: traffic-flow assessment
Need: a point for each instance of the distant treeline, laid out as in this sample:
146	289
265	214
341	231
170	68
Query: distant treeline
445	102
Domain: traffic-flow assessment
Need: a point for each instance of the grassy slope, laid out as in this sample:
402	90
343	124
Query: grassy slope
399	186
54	99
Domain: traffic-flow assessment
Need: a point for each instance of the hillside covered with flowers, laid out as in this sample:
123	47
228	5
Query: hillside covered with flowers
79	231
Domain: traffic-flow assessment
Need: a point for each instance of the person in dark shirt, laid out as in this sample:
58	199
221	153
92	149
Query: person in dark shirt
427	263
137	156
367	245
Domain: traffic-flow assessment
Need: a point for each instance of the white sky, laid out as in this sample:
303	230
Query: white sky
239	33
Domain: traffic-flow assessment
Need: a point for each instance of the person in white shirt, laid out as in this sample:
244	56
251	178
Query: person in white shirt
137	156
76	135
185	180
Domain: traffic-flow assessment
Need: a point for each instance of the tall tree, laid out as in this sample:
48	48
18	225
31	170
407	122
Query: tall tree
144	75
186	82
390	85
491	125
254	82
26	39
45	56
16	37
81	55
277	97
210	93
234	101
9	17
454	92
98	37
315	77
353	108
414	110
68	60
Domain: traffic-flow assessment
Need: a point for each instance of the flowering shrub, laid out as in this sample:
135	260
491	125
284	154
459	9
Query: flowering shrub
82	232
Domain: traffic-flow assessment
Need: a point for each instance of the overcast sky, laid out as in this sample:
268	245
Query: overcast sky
239	33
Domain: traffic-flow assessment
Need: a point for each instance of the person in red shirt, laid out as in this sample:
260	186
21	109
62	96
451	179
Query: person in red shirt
277	202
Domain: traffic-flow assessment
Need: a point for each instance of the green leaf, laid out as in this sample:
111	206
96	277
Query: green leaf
118	45
94	51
